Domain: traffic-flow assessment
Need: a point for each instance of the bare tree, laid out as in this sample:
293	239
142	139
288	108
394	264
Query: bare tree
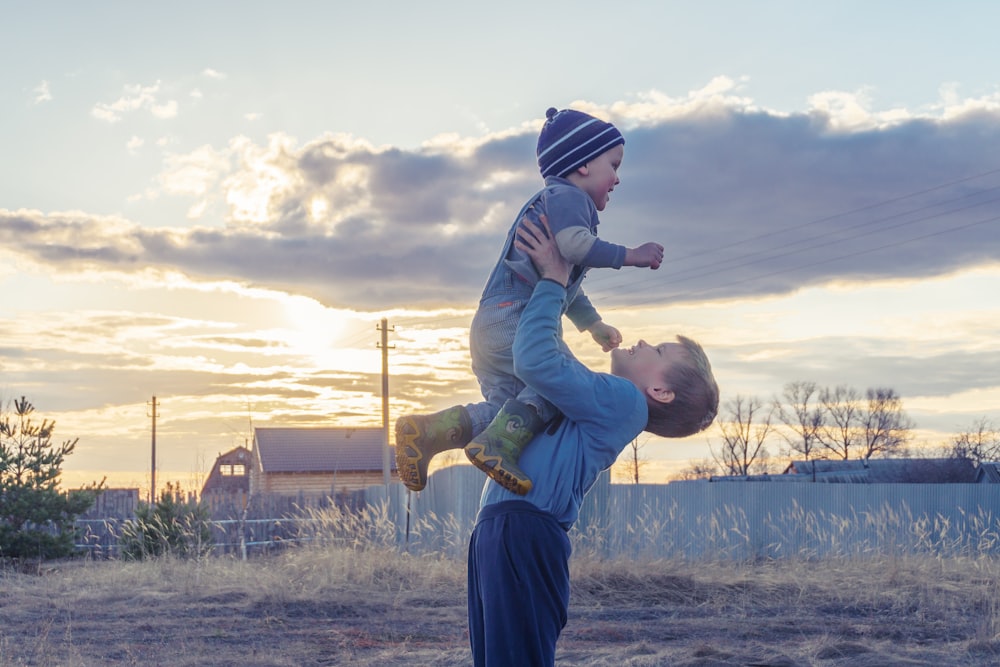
745	426
801	412
765	464
698	470
884	427
839	433
634	464
979	443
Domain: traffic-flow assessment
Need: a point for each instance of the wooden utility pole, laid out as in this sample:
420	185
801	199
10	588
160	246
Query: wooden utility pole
384	328
152	483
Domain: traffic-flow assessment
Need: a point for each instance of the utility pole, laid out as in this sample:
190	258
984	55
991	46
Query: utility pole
152	483
384	328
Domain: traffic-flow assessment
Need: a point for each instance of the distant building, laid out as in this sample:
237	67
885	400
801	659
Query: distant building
871	471
317	461
988	473
886	471
228	485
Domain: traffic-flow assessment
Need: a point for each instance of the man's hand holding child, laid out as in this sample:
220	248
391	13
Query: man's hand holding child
540	246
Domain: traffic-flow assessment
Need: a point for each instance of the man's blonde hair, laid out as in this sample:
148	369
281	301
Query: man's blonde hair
696	396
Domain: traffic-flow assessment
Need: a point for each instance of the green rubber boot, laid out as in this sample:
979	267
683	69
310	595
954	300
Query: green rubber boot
420	437
496	450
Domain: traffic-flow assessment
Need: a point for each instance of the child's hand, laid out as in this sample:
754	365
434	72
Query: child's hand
606	335
541	247
648	254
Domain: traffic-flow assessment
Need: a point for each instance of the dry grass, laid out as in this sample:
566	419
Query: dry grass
348	600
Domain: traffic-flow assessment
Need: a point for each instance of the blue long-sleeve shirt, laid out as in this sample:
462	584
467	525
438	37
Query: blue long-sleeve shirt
602	413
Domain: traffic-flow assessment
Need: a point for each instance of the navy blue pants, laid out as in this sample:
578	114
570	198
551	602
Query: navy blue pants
518	586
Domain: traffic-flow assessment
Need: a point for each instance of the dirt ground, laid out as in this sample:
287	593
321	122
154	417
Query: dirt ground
306	613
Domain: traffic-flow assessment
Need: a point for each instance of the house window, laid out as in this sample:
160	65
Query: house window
232	469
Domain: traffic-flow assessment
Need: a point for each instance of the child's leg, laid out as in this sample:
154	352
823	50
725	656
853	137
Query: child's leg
497	449
546	411
420	437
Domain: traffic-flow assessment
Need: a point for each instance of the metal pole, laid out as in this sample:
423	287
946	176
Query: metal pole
385	403
152	483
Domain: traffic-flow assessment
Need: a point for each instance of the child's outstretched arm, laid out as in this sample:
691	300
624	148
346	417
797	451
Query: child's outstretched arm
648	254
606	335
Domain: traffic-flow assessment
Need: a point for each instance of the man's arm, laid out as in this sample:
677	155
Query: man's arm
541	358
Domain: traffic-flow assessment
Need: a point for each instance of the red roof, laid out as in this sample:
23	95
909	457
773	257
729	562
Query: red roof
321	449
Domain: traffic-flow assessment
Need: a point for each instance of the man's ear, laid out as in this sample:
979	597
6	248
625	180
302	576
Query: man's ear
583	169
660	394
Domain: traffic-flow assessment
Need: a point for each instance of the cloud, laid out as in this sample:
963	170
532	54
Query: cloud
42	93
833	361
748	203
134	144
210	73
195	173
135	98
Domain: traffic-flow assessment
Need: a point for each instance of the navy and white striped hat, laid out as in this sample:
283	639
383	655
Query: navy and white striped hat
570	139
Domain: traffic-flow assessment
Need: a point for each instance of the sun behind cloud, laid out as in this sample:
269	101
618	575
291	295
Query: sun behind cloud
318	333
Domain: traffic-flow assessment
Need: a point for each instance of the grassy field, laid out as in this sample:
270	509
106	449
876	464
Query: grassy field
359	604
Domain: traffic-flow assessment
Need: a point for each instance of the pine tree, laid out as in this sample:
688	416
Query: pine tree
36	517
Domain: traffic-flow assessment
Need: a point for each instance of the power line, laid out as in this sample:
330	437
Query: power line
860	209
612	284
817	263
770	254
606	283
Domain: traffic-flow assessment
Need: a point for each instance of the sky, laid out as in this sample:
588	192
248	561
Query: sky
217	204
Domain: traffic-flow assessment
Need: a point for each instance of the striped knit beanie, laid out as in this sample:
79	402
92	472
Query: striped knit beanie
570	139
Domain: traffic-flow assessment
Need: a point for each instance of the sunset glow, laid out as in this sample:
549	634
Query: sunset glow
228	233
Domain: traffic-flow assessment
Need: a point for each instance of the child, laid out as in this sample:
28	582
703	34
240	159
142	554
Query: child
518	576
578	156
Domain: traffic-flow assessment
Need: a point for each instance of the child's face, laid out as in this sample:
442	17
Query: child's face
646	365
601	175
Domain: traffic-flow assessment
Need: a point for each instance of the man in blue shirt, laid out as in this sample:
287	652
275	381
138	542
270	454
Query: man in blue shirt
518	589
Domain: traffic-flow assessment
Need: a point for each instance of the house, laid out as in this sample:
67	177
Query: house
317	461
228	485
988	473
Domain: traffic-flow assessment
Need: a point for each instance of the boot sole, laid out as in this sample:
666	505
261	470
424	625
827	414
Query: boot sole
494	468
411	464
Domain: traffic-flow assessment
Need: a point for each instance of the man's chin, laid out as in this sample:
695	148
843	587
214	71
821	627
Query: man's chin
616	355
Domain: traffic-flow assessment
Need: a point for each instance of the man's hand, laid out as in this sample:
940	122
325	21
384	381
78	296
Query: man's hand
541	247
648	254
606	335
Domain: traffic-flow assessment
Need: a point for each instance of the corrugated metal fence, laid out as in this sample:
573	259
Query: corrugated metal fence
727	521
693	520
